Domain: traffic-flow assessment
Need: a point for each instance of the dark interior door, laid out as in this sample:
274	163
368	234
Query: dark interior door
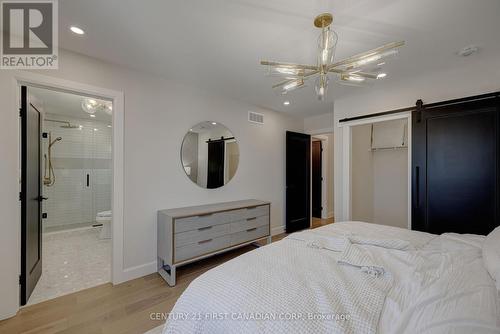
317	178
31	227
215	176
298	181
456	168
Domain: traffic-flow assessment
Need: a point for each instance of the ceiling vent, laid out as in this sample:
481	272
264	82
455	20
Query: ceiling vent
254	117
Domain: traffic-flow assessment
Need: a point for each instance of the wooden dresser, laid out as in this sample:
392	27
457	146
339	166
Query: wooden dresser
192	233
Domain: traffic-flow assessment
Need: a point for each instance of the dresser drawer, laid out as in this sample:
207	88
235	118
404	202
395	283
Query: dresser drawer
249	223
203	233
249	234
196	222
251	212
201	247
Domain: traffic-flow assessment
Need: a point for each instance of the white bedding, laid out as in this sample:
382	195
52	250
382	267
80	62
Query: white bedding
438	285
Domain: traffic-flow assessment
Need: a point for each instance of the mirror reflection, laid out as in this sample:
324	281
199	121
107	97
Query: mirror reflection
210	154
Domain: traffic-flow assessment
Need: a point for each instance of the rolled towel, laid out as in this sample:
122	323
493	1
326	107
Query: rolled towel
356	256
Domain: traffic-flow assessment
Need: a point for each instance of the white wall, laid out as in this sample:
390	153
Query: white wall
319	124
158	113
361	174
476	78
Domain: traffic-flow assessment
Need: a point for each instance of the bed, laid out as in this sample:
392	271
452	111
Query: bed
348	277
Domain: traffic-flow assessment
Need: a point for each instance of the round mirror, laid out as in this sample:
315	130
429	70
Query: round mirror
210	155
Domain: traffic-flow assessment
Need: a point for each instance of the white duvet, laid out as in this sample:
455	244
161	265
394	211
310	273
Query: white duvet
435	284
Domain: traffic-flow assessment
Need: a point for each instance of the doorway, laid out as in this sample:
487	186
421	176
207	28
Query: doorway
322	177
67	173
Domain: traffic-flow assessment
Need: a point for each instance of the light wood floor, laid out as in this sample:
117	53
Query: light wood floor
123	308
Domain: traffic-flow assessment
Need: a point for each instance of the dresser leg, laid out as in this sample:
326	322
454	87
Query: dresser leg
168	274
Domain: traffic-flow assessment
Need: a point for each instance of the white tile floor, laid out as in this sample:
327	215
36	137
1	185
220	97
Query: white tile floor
71	261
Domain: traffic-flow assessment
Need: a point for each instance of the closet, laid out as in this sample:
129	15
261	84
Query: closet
379	172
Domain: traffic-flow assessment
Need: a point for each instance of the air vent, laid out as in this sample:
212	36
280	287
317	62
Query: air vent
254	117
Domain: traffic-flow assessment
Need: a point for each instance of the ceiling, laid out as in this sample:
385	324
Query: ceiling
217	45
66	104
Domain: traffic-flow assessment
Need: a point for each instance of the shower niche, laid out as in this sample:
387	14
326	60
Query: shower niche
76	171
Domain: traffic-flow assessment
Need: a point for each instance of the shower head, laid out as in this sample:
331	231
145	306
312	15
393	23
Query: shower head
70	126
66	124
55	141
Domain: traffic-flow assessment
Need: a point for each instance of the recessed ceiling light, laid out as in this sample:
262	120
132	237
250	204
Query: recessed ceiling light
96	129
286	103
109	126
92	116
213	123
381	75
76	30
468	50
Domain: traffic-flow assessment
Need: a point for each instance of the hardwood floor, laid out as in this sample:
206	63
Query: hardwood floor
123	308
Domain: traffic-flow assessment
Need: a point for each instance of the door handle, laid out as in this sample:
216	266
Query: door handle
417	187
42	198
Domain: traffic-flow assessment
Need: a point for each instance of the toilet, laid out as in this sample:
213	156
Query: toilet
104	218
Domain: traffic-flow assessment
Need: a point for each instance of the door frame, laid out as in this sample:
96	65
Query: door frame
324	169
346	159
21	78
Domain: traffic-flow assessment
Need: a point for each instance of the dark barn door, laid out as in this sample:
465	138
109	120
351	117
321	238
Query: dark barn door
215	176
298	181
456	168
31	197
317	178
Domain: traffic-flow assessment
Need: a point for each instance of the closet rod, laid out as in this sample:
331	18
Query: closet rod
218	140
427	106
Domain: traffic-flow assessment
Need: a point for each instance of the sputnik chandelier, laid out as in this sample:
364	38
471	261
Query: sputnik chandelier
354	70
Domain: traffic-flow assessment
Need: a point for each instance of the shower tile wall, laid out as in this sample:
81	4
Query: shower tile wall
72	202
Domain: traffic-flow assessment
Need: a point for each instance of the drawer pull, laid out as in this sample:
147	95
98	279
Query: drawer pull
205	215
252	229
205	228
250	219
204	241
252	207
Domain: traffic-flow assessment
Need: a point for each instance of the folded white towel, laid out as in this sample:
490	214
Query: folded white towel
104	214
356	256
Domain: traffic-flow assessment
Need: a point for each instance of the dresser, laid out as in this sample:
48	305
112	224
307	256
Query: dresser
192	233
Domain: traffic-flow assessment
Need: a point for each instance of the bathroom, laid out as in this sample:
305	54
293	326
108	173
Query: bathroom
76	178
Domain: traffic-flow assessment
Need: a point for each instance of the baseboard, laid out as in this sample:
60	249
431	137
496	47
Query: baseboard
277	230
149	268
136	272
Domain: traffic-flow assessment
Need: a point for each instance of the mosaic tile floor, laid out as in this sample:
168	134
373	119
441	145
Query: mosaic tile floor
71	261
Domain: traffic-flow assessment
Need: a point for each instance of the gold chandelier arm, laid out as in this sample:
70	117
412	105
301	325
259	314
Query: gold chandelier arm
361	74
304	77
289	65
367	54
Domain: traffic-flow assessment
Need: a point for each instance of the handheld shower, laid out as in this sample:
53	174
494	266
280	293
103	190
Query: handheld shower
49	178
